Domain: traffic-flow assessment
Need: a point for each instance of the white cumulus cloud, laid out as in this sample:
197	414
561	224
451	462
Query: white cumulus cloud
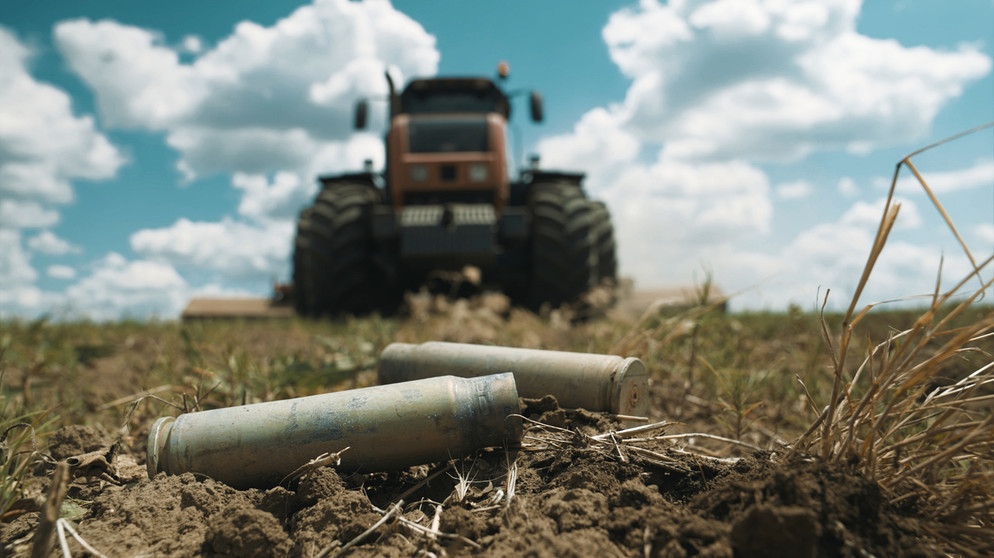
262	99
43	145
18	294
138	81
234	248
719	89
672	218
59	271
282	198
16	267
847	187
830	256
978	175
794	190
984	234
49	243
119	288
20	214
598	144
774	80
192	44
868	214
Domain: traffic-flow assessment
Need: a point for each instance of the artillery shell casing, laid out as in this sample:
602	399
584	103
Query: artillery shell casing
384	427
604	383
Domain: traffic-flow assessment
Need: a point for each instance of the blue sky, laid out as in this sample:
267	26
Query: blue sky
154	151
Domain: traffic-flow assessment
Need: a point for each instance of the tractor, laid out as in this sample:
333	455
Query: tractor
445	203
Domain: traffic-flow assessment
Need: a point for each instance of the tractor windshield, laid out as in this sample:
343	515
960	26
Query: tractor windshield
448	134
450	101
456	95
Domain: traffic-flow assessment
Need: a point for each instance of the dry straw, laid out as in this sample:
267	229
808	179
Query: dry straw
928	441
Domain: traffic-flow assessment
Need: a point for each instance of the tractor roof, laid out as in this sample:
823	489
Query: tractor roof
454	94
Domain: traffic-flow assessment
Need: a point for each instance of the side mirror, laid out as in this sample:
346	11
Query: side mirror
536	106
361	114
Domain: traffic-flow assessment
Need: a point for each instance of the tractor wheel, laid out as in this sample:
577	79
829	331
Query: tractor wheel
332	260
607	259
563	257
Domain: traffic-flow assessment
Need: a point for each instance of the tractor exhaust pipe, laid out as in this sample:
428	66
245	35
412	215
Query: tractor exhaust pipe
603	383
394	97
384	427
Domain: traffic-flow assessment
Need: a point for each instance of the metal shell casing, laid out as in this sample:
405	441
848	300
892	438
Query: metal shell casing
385	427
604	383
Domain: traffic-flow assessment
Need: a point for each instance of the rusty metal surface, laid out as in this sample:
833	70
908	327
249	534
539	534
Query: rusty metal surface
384	427
594	382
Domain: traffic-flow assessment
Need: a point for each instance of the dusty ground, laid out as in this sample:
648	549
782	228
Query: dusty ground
570	496
570	500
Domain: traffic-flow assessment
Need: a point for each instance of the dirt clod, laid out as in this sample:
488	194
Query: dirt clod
77	439
770	532
247	533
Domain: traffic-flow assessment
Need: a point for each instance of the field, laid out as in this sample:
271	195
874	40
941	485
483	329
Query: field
753	459
865	433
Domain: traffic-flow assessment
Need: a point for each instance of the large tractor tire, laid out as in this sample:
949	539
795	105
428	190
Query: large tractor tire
332	260
607	259
563	254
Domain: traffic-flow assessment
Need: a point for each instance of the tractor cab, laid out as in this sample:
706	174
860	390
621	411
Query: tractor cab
446	142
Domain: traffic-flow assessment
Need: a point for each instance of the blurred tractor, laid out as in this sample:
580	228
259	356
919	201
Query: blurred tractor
445	203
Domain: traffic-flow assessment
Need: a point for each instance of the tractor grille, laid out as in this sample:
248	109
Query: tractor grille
444	230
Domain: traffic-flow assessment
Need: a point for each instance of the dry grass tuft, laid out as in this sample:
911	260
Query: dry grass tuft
928	440
639	441
19	450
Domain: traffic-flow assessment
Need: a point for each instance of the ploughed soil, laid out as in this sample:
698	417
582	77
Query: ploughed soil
564	493
569	499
